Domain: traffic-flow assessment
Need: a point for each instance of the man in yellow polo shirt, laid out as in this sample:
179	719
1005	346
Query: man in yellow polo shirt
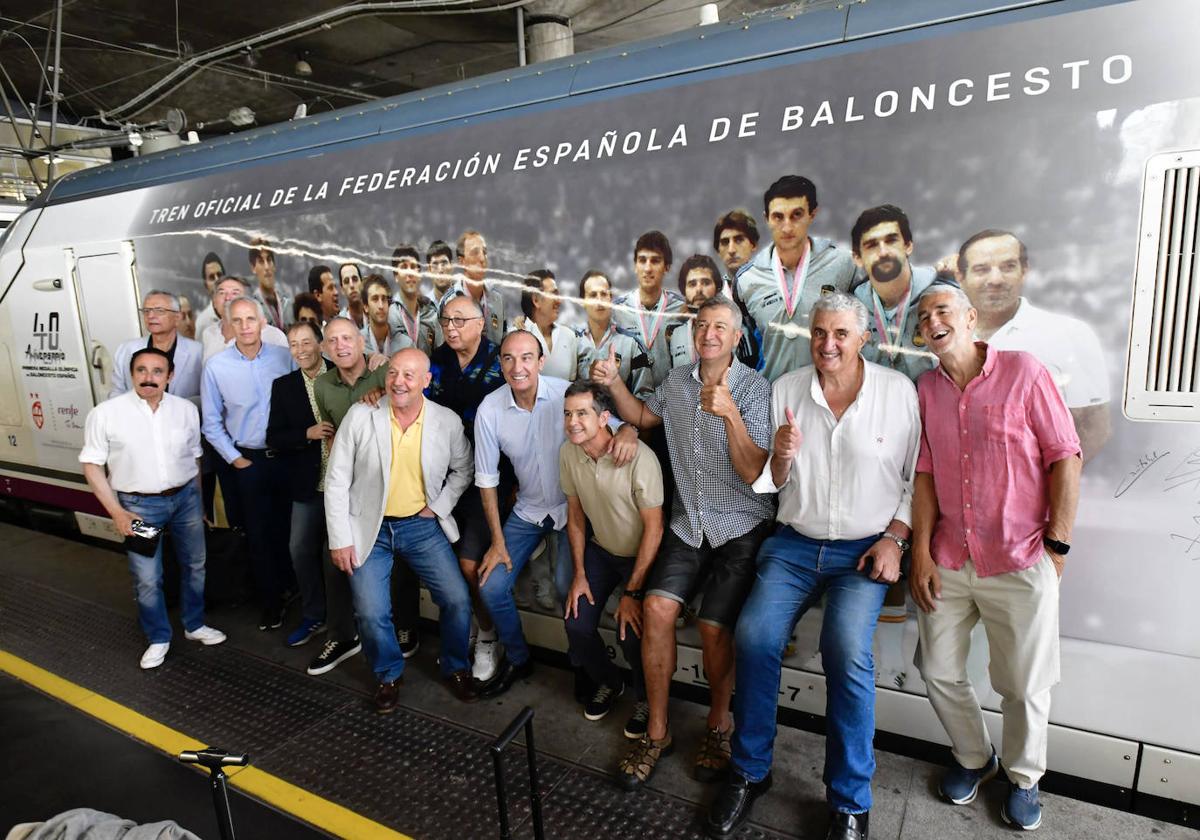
395	474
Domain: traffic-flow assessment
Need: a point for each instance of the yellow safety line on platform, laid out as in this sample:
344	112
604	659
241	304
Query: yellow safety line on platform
309	807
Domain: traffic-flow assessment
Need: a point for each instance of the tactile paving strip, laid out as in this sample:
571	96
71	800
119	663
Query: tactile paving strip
585	804
427	778
218	694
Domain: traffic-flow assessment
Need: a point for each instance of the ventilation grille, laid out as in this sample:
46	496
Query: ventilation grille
1162	379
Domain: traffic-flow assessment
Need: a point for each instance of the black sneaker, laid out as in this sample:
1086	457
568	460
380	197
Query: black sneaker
409	641
333	654
635	727
271	618
602	701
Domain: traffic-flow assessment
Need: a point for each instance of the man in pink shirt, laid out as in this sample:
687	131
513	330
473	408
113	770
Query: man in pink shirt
996	490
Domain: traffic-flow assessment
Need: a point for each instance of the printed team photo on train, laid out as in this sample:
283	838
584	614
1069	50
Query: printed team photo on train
857	381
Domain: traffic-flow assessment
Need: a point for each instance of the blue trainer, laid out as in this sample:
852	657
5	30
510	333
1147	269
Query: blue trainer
961	785
307	629
1022	808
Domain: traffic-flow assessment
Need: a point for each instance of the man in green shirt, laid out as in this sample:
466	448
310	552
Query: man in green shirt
349	380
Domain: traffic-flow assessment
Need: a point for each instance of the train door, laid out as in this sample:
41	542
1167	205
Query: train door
106	287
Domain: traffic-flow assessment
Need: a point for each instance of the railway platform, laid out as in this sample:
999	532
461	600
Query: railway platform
88	728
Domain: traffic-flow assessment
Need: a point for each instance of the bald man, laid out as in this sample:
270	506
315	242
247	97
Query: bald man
395	474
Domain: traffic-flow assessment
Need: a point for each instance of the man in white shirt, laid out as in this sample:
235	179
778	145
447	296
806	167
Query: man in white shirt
216	337
161	312
522	419
842	461
992	267
150	441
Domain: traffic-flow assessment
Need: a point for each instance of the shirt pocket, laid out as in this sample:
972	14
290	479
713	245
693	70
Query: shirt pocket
1004	425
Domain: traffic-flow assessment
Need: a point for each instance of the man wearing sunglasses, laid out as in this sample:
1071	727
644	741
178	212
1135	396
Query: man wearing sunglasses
160	311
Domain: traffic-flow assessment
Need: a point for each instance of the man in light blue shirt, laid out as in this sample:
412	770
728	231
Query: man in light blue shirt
160	310
235	394
523	419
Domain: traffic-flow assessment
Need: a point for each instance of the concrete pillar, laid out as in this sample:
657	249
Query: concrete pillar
548	37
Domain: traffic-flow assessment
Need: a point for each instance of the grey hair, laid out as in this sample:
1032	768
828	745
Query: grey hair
841	302
725	303
174	298
262	313
953	289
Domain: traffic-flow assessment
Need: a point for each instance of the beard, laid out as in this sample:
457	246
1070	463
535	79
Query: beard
887	270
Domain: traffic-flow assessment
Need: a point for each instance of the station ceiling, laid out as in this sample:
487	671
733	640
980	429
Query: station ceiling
128	62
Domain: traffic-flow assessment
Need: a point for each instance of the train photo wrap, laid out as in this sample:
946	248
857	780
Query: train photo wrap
1035	122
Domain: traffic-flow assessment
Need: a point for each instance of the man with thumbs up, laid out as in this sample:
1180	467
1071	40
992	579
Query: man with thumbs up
715	415
848	433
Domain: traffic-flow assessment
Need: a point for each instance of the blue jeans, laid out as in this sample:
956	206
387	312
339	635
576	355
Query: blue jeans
793	573
183	516
521	538
420	542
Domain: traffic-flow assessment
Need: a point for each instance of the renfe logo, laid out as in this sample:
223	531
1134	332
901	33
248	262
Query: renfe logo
39	419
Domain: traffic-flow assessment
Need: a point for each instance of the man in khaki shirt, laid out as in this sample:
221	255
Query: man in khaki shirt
624	506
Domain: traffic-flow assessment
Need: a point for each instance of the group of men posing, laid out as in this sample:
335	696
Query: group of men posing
757	442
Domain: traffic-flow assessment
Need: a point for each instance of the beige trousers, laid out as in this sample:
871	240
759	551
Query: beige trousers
1019	611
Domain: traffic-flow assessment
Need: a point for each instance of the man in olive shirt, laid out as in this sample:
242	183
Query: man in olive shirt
624	506
351	378
336	390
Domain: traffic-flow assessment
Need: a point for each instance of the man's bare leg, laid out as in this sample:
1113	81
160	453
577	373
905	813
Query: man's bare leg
717	650
658	659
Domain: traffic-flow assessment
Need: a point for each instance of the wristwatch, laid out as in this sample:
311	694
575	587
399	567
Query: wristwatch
1058	547
635	594
900	541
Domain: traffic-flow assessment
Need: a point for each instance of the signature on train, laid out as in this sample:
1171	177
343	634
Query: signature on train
1144	463
1186	473
1190	544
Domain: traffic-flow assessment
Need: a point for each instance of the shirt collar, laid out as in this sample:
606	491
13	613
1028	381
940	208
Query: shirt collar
736	371
418	422
541	393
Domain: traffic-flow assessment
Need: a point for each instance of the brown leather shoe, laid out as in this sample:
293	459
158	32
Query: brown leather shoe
387	696
462	686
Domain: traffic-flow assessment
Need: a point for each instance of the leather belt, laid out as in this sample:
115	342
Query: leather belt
257	453
170	492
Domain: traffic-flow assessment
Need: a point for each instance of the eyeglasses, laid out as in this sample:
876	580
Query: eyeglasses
157	310
458	323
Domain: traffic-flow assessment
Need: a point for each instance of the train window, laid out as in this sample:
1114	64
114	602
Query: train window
1162	377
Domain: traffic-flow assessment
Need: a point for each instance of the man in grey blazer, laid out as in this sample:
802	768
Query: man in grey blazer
160	310
395	474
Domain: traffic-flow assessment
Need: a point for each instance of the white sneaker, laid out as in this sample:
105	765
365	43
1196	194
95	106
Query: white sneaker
484	666
205	635
154	655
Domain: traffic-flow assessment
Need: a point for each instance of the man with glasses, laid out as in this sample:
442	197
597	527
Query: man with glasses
160	310
464	370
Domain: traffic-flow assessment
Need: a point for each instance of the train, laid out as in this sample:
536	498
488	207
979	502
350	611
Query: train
1072	123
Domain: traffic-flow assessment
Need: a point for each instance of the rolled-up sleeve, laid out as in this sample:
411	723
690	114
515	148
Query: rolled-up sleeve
912	414
95	440
924	453
1051	421
756	413
487	446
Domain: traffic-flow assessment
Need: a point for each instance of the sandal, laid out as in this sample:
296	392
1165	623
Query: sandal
713	759
638	765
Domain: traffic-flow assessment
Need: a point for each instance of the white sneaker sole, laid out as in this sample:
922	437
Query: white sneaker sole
329	666
1010	821
967	800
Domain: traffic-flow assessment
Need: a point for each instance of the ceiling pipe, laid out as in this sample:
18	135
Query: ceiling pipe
287	32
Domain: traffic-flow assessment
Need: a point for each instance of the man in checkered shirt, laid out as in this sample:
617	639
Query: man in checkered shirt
716	415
